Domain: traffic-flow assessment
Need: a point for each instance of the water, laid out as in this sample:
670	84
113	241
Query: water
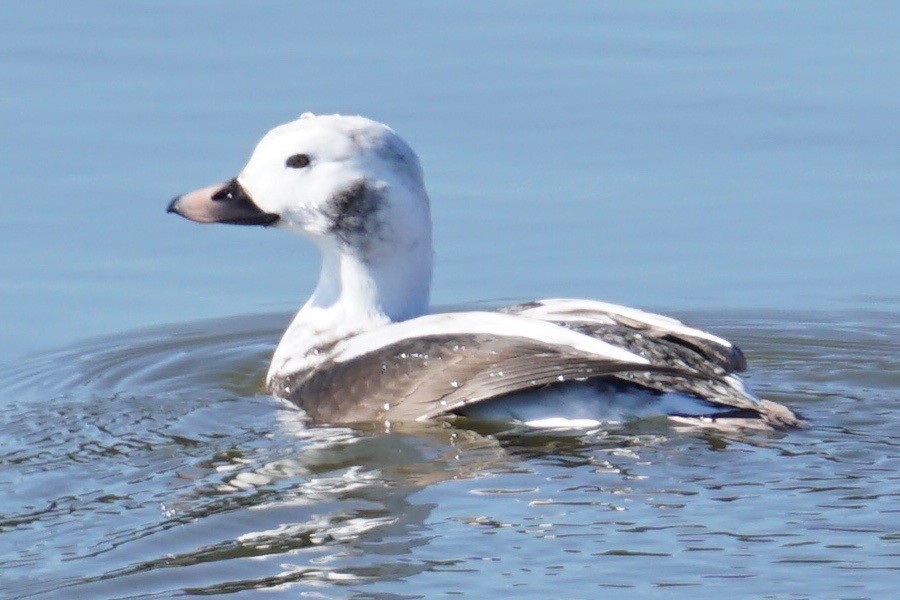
150	464
735	166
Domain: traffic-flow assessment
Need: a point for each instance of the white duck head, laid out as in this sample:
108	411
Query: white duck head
355	189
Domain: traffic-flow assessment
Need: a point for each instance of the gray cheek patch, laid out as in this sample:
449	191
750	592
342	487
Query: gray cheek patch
353	213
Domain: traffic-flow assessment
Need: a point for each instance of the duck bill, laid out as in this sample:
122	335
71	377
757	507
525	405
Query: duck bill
223	203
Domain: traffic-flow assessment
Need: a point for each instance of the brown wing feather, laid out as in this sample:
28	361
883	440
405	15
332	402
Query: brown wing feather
431	375
618	329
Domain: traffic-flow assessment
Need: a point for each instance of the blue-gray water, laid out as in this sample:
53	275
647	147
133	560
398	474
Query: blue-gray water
733	164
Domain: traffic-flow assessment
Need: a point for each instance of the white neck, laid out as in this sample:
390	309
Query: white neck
354	295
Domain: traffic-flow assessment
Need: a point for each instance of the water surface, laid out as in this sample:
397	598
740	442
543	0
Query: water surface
151	465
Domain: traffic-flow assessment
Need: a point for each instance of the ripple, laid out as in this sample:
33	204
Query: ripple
159	464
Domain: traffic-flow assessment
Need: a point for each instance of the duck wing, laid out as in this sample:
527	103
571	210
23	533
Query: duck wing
655	337
687	360
440	364
437	364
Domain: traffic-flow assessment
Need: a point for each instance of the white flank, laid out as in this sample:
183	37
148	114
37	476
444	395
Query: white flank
498	324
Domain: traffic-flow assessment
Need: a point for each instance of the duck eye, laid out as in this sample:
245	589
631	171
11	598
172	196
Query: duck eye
297	161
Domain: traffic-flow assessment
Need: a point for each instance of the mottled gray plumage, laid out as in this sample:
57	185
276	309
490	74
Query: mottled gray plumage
643	338
353	212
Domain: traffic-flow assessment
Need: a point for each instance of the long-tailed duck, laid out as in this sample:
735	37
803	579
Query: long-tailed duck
365	347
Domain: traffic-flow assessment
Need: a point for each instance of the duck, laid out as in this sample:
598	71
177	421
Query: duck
366	347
